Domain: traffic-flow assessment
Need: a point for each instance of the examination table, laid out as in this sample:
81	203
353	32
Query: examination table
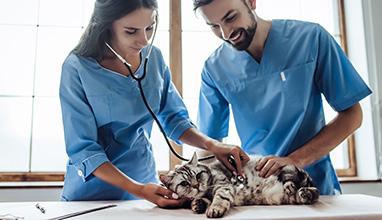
328	207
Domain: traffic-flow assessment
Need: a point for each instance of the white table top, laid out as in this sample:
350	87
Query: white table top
328	207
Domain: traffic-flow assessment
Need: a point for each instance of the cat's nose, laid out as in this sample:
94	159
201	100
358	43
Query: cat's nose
195	185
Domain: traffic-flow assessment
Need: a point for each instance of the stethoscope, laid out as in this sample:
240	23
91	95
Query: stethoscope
139	80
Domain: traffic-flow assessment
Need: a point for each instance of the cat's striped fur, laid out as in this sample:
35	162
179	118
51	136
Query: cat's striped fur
213	189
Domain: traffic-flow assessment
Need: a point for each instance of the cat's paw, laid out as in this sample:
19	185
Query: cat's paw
307	195
200	206
216	211
290	188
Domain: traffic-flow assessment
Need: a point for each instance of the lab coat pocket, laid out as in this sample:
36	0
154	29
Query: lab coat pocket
297	82
100	105
256	95
279	93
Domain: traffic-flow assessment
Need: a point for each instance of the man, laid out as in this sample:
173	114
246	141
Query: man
273	73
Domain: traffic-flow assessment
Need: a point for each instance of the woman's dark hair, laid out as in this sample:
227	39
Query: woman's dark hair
200	3
98	31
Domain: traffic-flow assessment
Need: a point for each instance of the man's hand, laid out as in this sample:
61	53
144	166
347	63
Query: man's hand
271	165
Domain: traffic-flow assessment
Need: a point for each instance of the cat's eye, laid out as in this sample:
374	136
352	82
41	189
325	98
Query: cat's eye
184	183
198	176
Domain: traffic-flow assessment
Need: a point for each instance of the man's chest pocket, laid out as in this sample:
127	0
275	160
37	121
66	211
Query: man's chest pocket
298	82
275	90
100	105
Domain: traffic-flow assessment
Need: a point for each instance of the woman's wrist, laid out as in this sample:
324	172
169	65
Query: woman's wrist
136	189
210	144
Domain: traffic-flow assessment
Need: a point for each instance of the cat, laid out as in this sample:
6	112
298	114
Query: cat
213	189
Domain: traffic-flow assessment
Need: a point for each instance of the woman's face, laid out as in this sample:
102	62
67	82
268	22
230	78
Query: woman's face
132	32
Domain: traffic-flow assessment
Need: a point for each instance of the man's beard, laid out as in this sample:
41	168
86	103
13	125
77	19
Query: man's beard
248	33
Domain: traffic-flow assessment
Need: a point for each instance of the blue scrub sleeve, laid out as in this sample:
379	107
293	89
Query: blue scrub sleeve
335	76
213	113
80	127
173	114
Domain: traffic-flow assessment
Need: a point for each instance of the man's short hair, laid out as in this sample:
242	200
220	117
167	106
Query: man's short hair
199	3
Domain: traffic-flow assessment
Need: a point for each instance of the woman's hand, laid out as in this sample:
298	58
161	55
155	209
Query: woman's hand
159	195
223	151
156	194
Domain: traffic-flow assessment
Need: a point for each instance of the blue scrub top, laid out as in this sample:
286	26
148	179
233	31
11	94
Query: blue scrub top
105	120
276	104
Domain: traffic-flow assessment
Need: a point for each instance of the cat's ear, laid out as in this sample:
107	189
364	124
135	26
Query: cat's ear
194	160
165	179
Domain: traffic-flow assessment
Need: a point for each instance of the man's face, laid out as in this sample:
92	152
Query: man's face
231	20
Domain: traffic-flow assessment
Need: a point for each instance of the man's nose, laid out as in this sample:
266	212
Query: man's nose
226	32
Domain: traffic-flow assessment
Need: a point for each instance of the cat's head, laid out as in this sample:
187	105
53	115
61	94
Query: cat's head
189	180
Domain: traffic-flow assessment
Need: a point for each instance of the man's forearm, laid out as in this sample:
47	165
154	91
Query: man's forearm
329	137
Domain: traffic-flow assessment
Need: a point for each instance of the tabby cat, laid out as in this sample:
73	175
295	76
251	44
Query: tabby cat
213	189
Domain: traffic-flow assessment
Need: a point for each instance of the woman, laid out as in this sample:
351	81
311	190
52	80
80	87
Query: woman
106	124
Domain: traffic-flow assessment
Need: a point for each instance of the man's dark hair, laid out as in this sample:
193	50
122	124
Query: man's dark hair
200	3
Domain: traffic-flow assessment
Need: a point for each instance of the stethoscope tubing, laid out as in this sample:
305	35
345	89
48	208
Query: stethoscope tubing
139	81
